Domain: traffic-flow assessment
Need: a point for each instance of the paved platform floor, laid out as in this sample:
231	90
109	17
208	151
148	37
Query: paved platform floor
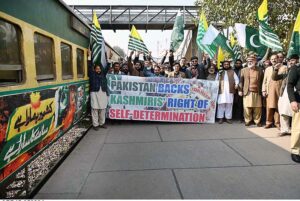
146	160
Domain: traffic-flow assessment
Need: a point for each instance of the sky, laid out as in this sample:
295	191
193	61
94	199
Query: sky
156	41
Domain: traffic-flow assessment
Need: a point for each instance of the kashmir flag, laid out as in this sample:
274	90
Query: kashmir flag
136	42
214	37
235	47
248	37
221	58
266	35
177	33
96	39
202	27
294	47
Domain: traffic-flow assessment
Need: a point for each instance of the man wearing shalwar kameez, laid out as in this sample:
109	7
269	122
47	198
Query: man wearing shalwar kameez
99	99
228	82
250	88
271	90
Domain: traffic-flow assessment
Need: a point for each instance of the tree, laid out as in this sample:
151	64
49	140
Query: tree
282	14
120	51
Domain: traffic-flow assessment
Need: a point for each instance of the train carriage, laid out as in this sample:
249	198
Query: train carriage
43	77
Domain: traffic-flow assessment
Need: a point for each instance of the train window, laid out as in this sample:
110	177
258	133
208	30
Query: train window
66	61
44	57
80	63
10	54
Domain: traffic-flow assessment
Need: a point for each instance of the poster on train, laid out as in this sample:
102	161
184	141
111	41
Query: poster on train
31	120
162	99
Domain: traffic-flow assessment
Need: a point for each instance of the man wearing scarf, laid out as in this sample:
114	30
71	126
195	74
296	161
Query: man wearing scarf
228	84
250	88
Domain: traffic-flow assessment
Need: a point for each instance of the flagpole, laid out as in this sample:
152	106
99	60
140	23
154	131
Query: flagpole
266	55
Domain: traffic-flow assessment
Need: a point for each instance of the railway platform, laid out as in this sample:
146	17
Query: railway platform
151	160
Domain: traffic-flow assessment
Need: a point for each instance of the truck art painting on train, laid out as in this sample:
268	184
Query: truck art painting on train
44	88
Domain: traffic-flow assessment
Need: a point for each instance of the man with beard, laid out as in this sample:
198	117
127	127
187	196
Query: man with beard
99	100
135	69
250	88
238	100
228	83
200	68
270	90
284	108
294	97
125	69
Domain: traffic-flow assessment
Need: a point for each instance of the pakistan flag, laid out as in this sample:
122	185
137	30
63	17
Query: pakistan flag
214	37
177	33
248	38
294	47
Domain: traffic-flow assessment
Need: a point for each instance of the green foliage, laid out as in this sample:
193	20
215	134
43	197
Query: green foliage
282	14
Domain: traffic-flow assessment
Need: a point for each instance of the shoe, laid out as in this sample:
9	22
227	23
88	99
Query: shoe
281	134
228	121
103	126
295	158
268	126
221	121
248	124
96	128
278	127
259	125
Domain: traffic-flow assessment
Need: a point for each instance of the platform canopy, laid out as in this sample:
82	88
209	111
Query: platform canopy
143	17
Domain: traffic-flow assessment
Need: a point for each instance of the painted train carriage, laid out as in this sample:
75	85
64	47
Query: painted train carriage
43	77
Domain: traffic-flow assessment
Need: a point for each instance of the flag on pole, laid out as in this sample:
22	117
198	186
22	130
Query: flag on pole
266	35
235	47
136	42
177	33
294	47
96	39
221	58
103	55
202	27
248	38
214	37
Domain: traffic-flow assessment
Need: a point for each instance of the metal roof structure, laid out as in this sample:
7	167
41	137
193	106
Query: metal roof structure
143	17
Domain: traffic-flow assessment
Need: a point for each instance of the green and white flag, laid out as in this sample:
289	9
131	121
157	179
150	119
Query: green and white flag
248	38
177	33
235	46
294	47
266	35
202	27
136	42
96	39
214	37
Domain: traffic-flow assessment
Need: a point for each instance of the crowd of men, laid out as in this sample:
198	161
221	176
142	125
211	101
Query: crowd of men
254	92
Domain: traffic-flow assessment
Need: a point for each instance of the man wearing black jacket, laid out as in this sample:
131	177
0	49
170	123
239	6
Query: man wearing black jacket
294	97
98	94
